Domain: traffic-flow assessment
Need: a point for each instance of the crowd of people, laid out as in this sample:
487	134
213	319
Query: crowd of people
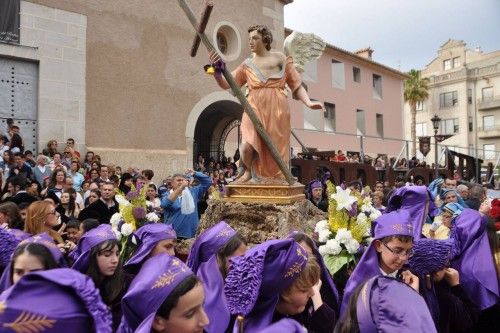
65	269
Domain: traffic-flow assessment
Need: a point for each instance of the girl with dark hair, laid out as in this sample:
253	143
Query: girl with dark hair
57	182
30	257
209	259
68	203
93	175
126	183
35	253
93	197
98	253
10	216
175	306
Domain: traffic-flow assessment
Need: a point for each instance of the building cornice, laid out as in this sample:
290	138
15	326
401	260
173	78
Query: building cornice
361	59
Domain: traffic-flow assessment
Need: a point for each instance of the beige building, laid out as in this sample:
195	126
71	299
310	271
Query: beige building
464	91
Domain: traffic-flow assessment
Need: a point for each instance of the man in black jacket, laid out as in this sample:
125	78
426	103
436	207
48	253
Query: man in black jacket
103	208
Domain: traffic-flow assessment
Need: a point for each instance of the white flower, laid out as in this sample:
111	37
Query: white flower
323	235
322	250
366	208
121	200
352	246
323	224
361	218
117	234
115	219
343	235
367	201
126	229
333	247
343	198
152	217
375	214
369	240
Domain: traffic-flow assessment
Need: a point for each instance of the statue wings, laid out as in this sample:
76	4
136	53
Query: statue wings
303	47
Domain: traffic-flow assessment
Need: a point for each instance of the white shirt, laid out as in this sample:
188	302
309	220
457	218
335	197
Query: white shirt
393	274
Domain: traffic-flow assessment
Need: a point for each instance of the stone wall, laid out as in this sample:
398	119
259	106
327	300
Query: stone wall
58	39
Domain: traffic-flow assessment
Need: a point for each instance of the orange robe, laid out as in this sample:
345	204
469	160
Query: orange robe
268	98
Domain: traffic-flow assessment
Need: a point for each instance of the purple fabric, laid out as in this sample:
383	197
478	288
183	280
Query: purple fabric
61	299
391	224
157	278
208	243
328	289
415	200
203	262
147	237
215	302
90	239
256	280
388	305
42	239
430	255
8	244
473	258
315	184
284	325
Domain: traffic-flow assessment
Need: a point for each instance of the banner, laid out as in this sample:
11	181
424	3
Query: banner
9	21
424	144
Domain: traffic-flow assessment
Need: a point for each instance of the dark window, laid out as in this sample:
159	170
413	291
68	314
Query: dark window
356	74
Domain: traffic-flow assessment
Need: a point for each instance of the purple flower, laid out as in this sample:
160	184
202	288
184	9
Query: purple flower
139	213
132	195
354	210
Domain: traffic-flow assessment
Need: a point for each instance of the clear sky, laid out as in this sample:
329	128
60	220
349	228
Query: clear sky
405	34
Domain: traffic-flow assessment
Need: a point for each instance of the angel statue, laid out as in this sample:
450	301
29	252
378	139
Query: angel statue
266	74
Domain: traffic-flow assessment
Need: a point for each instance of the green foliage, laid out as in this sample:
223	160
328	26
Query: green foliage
335	263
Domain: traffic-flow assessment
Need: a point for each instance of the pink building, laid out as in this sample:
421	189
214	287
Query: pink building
363	101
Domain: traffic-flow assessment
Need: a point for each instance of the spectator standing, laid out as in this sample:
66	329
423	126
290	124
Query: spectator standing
184	215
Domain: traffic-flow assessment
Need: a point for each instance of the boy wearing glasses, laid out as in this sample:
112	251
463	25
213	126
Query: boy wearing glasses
387	254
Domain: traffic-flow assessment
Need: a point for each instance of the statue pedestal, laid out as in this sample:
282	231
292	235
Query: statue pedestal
259	222
264	193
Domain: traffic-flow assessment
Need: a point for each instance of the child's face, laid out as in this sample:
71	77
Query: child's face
393	254
73	234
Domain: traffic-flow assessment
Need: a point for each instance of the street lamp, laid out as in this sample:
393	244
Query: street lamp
435	124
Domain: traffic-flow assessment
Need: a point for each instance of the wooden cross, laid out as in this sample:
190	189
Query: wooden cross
237	91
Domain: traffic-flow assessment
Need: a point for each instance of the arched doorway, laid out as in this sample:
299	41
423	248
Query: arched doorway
217	130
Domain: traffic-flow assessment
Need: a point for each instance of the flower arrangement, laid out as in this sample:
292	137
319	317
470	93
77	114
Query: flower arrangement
347	230
133	214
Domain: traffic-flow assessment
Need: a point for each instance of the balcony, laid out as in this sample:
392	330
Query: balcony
489	132
488	103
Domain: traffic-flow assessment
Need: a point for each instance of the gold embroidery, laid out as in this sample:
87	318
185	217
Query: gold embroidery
37	237
300	253
164	280
364	294
224	233
2	307
295	269
30	323
410	228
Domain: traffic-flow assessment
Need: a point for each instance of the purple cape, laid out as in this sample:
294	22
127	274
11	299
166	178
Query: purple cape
257	279
203	261
284	325
57	300
473	258
208	243
416	201
90	239
328	289
390	224
157	278
387	305
42	239
147	237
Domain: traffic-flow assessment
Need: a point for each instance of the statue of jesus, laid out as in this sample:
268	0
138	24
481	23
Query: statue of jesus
266	74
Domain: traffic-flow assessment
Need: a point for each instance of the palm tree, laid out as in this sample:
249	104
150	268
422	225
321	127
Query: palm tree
416	90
